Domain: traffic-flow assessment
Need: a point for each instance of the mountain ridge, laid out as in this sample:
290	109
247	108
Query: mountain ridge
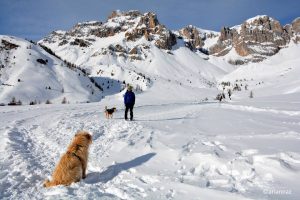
135	48
244	40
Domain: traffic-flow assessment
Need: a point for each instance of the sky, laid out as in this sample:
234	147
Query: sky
35	19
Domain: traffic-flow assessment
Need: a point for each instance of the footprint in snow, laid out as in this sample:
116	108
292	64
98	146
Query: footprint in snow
217	144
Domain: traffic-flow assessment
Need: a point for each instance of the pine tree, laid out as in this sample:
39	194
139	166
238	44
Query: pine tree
13	100
19	102
251	94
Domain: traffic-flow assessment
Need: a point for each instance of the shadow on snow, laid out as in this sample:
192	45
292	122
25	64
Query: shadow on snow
112	171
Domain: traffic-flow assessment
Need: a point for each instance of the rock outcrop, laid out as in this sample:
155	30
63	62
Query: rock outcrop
80	42
296	30
8	45
150	28
192	35
195	38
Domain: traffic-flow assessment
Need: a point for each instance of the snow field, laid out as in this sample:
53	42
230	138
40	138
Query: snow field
171	151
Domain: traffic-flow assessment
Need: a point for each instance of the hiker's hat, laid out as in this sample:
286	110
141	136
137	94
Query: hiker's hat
129	87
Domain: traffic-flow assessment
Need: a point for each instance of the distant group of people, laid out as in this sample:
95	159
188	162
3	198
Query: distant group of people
129	100
221	96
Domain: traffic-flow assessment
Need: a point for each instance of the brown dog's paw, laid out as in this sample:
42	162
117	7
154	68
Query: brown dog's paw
46	183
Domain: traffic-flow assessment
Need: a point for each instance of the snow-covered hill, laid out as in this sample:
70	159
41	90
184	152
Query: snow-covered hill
279	75
30	74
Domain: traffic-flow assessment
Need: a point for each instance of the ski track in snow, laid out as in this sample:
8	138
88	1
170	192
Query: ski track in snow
143	159
255	109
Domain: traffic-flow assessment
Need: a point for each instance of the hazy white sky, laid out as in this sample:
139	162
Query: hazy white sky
34	19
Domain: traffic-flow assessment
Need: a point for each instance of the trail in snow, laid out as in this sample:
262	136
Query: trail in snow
172	151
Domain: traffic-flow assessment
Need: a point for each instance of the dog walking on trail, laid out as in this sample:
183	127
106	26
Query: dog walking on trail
109	112
129	101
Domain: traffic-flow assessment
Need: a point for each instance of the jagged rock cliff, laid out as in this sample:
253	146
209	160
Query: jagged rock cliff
252	41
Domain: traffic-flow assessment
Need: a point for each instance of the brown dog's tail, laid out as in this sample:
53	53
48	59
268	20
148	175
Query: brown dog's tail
48	183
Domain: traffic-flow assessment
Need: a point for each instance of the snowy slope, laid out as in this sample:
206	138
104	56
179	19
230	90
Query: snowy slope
34	77
177	64
279	75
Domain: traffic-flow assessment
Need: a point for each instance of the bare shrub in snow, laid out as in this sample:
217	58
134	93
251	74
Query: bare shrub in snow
64	101
48	102
33	102
14	102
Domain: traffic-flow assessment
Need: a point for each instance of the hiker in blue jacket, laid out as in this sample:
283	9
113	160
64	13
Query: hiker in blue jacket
129	100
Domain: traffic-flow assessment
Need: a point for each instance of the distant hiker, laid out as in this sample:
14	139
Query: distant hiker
223	96
220	97
129	101
229	93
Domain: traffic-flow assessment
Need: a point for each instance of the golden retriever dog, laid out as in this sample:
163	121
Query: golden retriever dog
72	165
109	112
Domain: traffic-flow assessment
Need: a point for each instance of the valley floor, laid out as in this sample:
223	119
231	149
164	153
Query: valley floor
184	150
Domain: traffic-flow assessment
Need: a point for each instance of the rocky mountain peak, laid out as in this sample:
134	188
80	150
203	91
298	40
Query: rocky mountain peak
134	24
263	22
296	25
118	13
137	25
149	20
255	39
150	28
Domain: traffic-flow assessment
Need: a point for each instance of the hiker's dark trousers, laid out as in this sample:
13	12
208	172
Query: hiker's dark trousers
130	108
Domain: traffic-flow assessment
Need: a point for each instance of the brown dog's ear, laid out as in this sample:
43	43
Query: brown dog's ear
88	136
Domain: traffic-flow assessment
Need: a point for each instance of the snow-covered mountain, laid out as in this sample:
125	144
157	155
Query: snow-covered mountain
192	57
135	48
128	41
